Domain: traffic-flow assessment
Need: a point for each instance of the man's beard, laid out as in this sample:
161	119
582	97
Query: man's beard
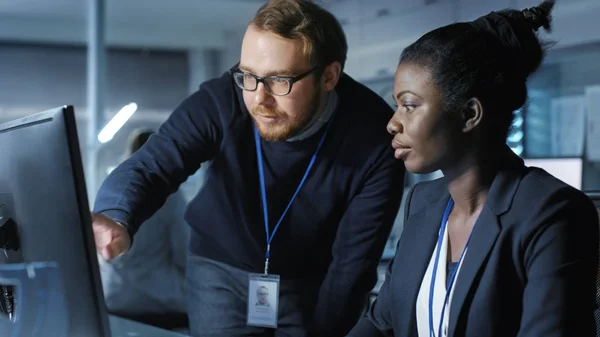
288	127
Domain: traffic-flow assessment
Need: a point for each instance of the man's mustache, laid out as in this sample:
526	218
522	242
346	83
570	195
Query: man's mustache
266	112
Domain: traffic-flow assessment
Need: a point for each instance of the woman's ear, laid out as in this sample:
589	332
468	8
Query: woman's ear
472	114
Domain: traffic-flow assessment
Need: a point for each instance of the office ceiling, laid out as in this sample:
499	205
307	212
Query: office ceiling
172	24
224	13
188	24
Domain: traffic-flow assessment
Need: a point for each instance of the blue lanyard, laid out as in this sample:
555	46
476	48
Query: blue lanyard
263	192
434	272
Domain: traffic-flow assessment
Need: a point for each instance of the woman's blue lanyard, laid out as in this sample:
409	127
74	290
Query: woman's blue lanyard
434	272
263	192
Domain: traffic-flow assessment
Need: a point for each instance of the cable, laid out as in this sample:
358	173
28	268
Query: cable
9	240
3	307
8	299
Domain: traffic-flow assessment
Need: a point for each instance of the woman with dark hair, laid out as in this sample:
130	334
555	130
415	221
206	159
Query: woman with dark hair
494	248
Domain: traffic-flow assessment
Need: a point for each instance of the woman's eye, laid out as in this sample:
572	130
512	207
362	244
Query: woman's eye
409	106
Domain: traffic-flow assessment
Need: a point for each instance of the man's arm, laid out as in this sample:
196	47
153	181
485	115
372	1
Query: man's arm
140	185
359	244
378	321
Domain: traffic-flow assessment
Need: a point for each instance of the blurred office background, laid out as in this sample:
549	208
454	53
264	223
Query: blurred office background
148	55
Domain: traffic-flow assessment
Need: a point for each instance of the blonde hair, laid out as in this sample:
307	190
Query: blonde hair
320	32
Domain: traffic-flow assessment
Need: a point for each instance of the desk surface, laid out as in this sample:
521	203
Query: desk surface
121	327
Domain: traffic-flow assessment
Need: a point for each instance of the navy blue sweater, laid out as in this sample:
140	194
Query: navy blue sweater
337	226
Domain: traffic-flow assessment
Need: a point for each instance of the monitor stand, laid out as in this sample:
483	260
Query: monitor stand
39	288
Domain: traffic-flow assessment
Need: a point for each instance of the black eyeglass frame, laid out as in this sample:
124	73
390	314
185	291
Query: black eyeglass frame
290	79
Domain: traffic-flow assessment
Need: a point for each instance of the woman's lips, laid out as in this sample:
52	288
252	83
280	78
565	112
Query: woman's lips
401	150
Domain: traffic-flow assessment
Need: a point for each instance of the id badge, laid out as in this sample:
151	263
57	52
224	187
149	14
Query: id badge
263	300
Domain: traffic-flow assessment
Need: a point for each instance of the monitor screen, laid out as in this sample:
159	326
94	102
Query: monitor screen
569	170
42	190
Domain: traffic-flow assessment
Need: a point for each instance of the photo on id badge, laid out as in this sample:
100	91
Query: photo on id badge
263	300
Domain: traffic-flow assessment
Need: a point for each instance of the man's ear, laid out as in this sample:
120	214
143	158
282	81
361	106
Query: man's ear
331	76
472	114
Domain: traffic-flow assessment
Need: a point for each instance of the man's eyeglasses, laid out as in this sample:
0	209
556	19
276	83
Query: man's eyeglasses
275	85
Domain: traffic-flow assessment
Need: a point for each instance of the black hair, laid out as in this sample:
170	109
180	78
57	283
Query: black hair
489	59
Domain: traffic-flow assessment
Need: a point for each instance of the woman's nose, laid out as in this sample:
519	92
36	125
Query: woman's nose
394	126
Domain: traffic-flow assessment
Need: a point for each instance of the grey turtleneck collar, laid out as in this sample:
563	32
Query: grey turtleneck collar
319	119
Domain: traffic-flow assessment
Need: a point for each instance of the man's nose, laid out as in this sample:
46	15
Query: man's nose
261	95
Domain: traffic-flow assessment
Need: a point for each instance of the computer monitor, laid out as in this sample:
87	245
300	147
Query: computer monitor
569	170
42	189
595	196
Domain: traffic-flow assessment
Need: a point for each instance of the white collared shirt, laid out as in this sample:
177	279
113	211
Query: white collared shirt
439	293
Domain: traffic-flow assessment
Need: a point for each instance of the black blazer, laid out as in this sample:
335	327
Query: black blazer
530	270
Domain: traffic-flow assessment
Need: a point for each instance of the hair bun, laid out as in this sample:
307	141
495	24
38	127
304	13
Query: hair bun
539	16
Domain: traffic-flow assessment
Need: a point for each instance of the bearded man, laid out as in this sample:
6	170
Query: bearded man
301	193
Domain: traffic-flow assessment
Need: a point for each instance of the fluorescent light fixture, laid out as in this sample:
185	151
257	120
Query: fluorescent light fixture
117	122
515	137
518	150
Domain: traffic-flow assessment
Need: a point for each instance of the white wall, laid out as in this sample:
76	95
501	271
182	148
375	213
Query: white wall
230	53
209	63
204	64
375	42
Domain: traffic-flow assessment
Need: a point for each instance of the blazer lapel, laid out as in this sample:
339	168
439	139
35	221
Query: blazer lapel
483	237
485	232
420	236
